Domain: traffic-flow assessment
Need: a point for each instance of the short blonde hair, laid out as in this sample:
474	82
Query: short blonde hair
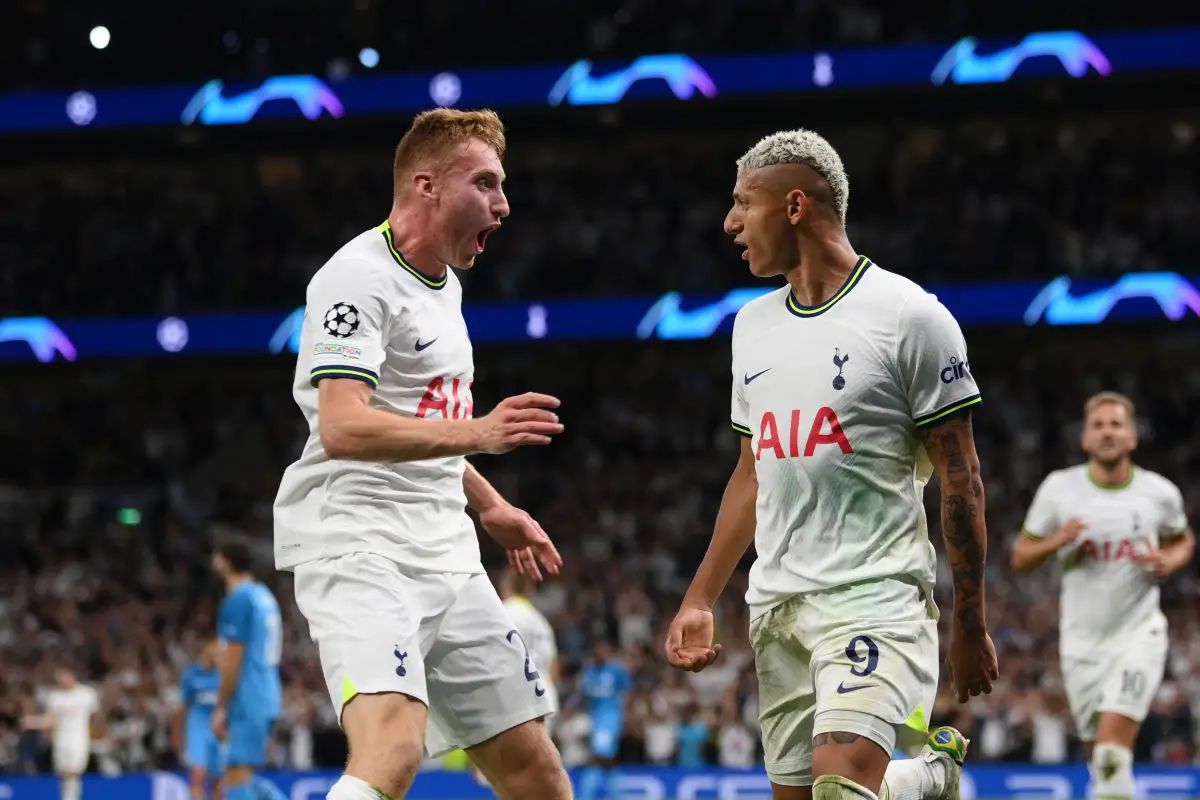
1106	398
806	147
435	133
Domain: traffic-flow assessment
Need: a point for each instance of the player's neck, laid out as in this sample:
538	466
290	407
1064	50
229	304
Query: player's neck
1111	476
824	266
415	242
234	581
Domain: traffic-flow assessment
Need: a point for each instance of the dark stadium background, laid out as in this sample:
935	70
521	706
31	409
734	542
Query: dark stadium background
1022	181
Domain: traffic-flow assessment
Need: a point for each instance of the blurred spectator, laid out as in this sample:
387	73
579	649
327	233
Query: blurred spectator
1087	194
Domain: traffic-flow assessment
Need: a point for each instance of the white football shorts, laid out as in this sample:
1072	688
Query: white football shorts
1122	678
862	659
444	639
70	759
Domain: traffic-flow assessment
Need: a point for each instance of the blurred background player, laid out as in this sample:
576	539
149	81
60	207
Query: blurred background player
535	631
250	697
839	395
372	517
199	690
1117	530
605	683
69	708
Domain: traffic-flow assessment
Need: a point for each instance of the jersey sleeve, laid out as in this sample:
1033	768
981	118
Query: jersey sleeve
93	705
346	314
739	408
932	360
1042	518
1175	519
233	624
187	694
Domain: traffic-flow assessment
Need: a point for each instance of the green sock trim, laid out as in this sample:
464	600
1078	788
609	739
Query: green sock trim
382	794
835	786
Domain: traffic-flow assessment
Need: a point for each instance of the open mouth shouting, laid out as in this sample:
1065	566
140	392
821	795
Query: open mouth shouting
482	237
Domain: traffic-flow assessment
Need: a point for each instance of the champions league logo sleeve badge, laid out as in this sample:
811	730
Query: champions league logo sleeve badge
341	320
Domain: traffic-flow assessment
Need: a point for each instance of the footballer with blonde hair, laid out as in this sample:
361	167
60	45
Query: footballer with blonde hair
419	654
851	388
1116	530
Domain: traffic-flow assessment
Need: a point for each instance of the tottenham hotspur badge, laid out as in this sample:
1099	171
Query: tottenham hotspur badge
341	320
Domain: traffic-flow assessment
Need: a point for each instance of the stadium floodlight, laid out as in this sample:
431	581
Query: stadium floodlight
368	57
99	36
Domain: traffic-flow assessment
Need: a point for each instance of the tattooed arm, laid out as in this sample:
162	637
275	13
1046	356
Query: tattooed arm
951	447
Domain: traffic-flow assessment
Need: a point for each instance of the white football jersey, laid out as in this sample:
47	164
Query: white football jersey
537	634
833	398
73	709
1106	595
371	316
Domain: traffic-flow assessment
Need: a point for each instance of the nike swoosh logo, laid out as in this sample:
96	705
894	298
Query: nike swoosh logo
538	689
844	689
750	377
422	345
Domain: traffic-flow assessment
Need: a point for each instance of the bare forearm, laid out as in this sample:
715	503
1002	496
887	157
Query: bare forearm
38	722
1030	553
965	535
231	670
1180	551
369	434
952	446
732	536
481	495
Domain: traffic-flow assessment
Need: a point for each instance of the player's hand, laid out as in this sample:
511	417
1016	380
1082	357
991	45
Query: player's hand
1155	562
971	664
219	723
516	421
1069	532
524	539
690	643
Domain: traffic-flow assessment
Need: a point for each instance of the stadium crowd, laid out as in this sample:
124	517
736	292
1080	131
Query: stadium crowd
128	472
638	212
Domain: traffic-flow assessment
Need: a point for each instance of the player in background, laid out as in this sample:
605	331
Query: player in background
538	635
192	733
68	717
372	519
1117	530
851	387
250	696
605	684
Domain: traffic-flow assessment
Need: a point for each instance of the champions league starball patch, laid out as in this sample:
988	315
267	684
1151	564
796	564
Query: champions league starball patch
341	320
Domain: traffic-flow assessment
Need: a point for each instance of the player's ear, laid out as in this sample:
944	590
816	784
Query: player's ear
422	184
797	201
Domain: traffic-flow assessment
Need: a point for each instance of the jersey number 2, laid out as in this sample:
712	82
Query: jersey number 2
531	674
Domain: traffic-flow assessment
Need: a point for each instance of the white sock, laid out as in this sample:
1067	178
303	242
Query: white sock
1112	772
914	778
350	788
72	788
